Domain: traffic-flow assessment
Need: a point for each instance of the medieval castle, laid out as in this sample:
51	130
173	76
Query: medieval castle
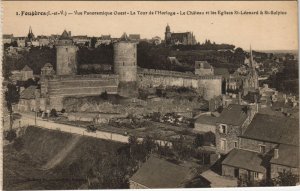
127	78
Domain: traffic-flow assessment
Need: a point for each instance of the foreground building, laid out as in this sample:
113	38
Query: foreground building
269	145
160	173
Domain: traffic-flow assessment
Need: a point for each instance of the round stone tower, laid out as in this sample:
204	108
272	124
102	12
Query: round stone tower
125	65
66	55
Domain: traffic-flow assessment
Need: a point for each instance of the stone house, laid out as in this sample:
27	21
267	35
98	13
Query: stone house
205	123
203	68
269	145
29	99
47	70
26	73
230	125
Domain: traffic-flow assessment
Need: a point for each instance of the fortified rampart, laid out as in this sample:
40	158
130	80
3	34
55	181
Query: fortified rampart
56	88
208	86
125	66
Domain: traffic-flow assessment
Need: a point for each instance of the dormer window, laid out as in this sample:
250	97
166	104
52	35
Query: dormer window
223	128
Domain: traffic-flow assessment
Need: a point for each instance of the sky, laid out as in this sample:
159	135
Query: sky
263	32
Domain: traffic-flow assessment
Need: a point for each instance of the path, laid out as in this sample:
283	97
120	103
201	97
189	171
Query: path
62	154
28	119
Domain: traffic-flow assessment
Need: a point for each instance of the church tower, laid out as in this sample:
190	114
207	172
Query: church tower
168	35
66	55
252	76
30	35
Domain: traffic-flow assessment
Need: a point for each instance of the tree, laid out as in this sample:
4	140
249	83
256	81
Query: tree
199	140
209	137
53	113
104	95
11	97
132	140
238	56
29	82
18	144
93	42
286	178
148	143
11	135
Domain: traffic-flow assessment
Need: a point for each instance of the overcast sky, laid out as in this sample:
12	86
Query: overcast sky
262	32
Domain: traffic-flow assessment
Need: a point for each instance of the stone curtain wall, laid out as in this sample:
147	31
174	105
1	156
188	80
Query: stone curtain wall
61	87
208	86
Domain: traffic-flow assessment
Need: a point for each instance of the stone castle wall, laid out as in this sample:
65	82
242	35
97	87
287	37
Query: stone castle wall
59	87
208	86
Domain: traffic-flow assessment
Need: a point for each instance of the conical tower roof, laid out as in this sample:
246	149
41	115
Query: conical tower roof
124	37
65	36
26	68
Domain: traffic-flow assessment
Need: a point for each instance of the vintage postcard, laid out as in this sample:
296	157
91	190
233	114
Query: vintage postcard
139	94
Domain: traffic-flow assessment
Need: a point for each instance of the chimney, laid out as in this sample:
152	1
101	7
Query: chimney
276	153
70	34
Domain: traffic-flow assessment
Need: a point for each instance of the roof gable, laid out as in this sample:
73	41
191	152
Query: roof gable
234	114
245	159
28	93
26	68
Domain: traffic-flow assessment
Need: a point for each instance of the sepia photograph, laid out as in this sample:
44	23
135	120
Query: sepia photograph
149	94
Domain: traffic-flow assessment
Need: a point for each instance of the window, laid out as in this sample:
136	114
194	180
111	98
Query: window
223	129
223	144
257	176
262	149
235	144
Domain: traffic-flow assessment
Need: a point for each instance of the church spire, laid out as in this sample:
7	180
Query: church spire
30	34
251	58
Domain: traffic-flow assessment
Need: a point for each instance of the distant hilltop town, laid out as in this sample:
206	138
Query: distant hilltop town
185	38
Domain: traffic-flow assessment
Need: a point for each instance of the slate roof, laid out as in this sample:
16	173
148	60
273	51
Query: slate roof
48	65
26	68
159	173
245	159
206	119
28	93
124	37
135	36
221	72
273	129
234	114
288	156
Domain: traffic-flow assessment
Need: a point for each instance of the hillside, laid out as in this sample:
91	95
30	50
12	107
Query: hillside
56	160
